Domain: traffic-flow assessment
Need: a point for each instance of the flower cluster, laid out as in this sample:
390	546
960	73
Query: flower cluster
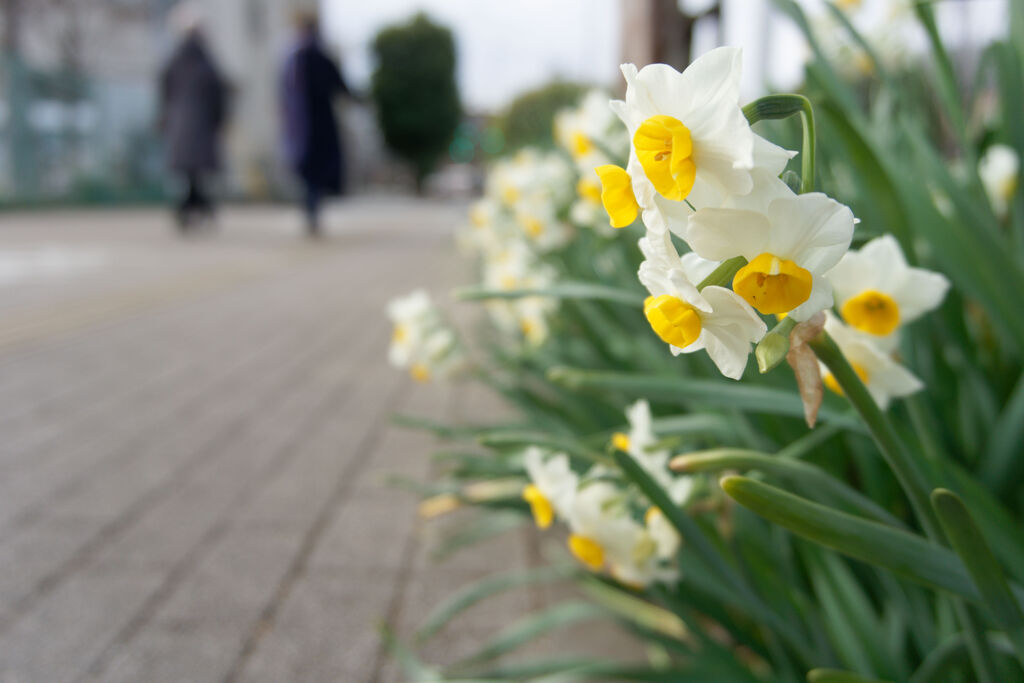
593	138
421	341
697	172
611	527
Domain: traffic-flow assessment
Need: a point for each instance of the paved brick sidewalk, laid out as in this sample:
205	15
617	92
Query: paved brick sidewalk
195	433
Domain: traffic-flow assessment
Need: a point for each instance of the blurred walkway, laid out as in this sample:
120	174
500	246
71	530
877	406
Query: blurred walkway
194	433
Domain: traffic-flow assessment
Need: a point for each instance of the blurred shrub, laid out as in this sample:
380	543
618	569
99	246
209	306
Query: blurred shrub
529	119
415	93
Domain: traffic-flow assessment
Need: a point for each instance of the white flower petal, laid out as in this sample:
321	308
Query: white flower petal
719	234
812	230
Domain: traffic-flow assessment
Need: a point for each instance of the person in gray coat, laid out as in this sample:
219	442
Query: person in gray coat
192	113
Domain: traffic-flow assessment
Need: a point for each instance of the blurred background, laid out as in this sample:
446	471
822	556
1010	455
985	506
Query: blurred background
196	422
80	99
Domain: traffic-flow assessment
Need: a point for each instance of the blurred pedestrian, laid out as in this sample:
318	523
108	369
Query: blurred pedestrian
192	113
310	81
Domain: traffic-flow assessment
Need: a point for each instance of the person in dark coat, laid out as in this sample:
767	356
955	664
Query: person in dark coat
192	113
310	81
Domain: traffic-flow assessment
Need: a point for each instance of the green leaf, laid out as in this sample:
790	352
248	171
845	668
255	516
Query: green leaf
532	626
634	609
480	528
562	290
710	557
805	476
836	676
952	655
483	589
969	543
686	390
898	551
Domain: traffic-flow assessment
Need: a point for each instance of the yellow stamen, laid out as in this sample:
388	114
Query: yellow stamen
589	190
581	145
509	282
587	550
509	195
478	217
533	227
400	334
665	151
420	372
673	320
773	285
620	441
833	385
651	513
873	312
617	195
540	506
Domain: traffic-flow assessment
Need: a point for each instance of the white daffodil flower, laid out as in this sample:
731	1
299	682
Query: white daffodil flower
999	169
715	319
884	378
665	536
689	138
589	129
640	442
422	342
790	241
537	217
876	292
604	535
552	486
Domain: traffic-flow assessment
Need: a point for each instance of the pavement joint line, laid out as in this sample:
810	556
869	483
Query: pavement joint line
123	521
284	454
154	385
33	510
393	614
342	491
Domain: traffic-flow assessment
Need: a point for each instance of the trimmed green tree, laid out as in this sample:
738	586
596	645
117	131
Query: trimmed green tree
415	92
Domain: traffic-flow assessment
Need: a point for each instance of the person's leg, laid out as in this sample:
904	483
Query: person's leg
312	208
187	202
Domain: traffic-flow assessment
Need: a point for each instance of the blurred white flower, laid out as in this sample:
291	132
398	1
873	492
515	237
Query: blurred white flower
590	131
640	443
884	378
876	292
421	341
552	486
715	319
999	169
604	534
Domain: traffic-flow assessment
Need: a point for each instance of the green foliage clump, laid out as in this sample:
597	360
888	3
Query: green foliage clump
415	92
529	119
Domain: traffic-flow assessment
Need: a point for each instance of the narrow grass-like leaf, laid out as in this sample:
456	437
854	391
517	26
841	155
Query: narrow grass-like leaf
805	476
479	529
532	626
562	290
483	589
634	609
694	536
901	552
749	397
837	676
969	543
952	655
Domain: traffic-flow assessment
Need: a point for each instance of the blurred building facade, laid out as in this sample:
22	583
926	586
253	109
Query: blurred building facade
78	95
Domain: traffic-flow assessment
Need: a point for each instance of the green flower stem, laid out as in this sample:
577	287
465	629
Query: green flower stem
909	474
722	275
784	106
